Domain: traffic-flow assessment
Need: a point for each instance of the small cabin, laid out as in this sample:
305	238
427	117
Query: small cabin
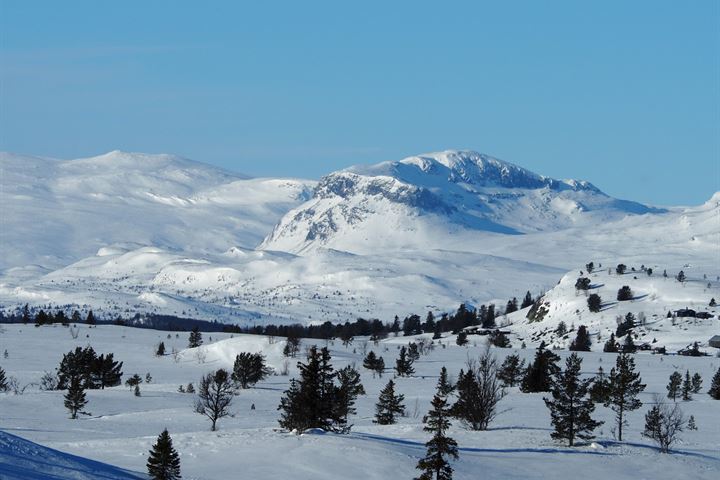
714	341
685	312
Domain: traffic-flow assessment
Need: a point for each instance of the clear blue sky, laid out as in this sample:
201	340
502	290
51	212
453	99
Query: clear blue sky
625	94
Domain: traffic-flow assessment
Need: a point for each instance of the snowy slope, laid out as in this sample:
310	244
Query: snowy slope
653	297
55	212
21	459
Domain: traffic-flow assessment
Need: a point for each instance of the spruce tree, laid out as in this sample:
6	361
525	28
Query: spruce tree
344	397
374	363
75	397
714	391
599	390
389	406
582	342
444	386
527	301
403	364
696	383
195	339
163	462
538	376
673	386
570	409
461	338
292	416
249	368
90	320
623	386
687	388
611	345
160	349
106	372
594	302
511	370
440	448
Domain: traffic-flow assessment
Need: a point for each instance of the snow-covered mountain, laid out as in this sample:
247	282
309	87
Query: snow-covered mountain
423	199
124	233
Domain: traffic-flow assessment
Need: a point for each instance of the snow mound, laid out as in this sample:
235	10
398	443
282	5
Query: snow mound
21	459
223	353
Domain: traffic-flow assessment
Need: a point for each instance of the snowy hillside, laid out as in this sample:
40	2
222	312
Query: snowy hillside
653	297
119	428
126	233
57	212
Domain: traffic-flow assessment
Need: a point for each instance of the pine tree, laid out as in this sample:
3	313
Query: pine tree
106	372
444	385
163	462
90	320
215	395
309	402
691	423
403	365
136	391
413	352
696	383
582	342
461	338
26	313
3	381
611	345
389	406
527	301
594	302
623	386
625	293
133	381
687	387
714	391
599	390
374	363
511	370
346	393
249	368
629	344
538	376
195	339
673	387
570	410
160	349
75	397
440	448
711	304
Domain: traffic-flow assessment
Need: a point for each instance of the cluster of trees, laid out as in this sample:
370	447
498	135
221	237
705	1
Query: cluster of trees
91	371
321	397
684	388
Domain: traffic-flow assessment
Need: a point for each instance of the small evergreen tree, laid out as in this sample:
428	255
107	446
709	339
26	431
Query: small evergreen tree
681	276
511	370
611	345
594	303
215	395
623	386
403	364
714	391
478	392
539	375
440	448
374	363
195	339
160	349
599	390
696	383
163	462
3	381
712	303
625	293
90	320
582	283
133	381
75	397
687	387
527	301
629	344
461	338
344	397
582	342
673	386
620	269
249	368
106	372
389	406
570	410
413	351
691	423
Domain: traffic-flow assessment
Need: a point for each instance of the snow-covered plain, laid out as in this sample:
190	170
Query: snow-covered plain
120	428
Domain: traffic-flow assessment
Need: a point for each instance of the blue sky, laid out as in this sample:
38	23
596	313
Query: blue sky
624	94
